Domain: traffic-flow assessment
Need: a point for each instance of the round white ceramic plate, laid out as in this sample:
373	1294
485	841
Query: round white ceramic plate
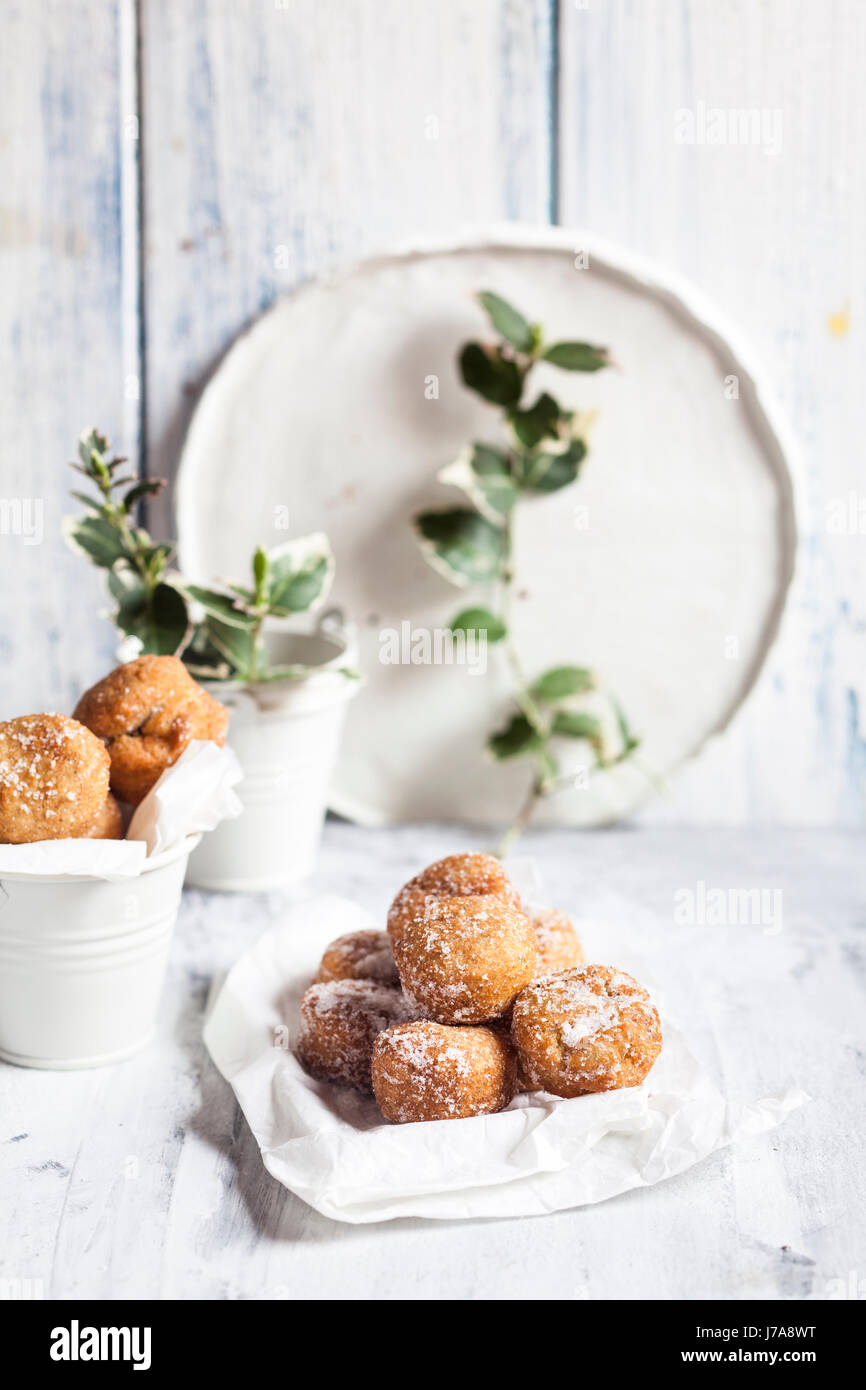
665	566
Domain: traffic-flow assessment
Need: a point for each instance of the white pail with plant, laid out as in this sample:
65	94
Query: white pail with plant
285	733
286	685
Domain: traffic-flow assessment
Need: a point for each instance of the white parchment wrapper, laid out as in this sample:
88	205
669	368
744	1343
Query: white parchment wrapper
193	795
330	1145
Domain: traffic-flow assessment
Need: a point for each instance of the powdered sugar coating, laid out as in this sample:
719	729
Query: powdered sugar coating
147	712
558	946
53	779
340	1021
458	875
464	958
427	1071
591	1029
360	955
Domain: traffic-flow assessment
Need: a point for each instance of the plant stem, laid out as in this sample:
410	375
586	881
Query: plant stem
521	820
522	695
521	686
656	779
256	650
148	579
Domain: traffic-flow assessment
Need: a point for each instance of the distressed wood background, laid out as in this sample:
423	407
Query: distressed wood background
170	166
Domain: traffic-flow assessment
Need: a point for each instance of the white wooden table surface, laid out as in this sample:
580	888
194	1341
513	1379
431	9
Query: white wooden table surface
143	1180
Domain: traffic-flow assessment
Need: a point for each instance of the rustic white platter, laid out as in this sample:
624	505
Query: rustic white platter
666	566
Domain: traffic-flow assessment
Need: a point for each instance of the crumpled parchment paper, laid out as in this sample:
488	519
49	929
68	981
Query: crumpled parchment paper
192	796
331	1147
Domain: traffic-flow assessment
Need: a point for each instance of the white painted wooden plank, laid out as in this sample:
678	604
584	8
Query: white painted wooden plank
773	230
144	1180
63	354
281	141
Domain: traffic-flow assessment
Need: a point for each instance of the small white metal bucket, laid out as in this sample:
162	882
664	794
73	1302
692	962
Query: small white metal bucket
286	736
82	962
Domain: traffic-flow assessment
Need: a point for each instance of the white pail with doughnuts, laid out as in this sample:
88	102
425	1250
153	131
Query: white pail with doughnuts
82	962
286	735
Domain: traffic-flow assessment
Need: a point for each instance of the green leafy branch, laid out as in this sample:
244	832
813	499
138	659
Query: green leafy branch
545	447
148	606
218	630
229	640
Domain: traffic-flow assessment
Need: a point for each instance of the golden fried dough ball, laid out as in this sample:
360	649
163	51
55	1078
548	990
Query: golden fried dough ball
424	1071
340	1021
557	943
592	1029
557	948
109	822
464	959
360	955
457	876
467	875
147	712
53	779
